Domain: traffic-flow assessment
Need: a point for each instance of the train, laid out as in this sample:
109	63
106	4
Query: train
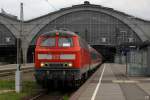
62	55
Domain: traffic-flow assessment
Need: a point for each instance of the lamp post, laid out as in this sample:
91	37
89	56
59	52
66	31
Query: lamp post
18	84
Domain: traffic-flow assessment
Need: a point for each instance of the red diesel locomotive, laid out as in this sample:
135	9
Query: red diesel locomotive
63	55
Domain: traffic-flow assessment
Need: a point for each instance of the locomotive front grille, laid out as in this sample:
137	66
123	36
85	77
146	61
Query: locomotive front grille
55	65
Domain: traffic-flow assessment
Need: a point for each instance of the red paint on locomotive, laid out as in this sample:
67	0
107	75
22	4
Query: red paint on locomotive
66	50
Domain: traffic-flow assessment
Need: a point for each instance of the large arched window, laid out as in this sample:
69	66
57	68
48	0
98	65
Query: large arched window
93	26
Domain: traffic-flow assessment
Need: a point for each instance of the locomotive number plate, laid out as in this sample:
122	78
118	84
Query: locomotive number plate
55	57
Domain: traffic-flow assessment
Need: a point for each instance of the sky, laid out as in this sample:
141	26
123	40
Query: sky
37	8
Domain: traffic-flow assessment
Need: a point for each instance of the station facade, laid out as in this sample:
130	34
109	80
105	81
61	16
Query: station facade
111	32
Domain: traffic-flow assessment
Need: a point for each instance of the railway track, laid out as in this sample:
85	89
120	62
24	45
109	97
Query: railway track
54	94
50	96
61	94
8	72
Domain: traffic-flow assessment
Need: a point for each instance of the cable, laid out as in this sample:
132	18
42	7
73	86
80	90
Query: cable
51	5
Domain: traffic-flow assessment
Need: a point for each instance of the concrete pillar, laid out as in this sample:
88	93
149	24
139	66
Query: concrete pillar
148	62
25	46
18	82
24	52
148	57
117	59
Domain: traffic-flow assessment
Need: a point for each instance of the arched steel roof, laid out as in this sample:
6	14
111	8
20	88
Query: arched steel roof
139	26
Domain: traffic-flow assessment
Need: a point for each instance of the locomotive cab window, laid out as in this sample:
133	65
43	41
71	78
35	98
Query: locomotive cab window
65	42
48	42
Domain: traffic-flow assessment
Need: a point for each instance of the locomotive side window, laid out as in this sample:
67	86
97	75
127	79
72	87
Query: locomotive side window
94	56
48	42
65	42
83	44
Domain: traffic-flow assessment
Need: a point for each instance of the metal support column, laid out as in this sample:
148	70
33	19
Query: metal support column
18	85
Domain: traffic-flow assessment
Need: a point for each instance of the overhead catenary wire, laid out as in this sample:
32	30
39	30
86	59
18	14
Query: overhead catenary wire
52	6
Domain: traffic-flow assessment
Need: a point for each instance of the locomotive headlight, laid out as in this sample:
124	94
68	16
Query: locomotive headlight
67	56
42	64
70	64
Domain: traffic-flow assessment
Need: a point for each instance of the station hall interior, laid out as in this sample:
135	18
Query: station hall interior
121	38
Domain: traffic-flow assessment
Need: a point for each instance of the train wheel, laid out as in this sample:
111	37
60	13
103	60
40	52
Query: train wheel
55	84
76	83
44	84
85	76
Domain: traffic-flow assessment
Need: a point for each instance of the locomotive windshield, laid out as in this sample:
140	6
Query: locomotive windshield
61	41
65	42
50	42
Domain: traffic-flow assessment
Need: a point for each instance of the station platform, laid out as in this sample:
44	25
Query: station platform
110	82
